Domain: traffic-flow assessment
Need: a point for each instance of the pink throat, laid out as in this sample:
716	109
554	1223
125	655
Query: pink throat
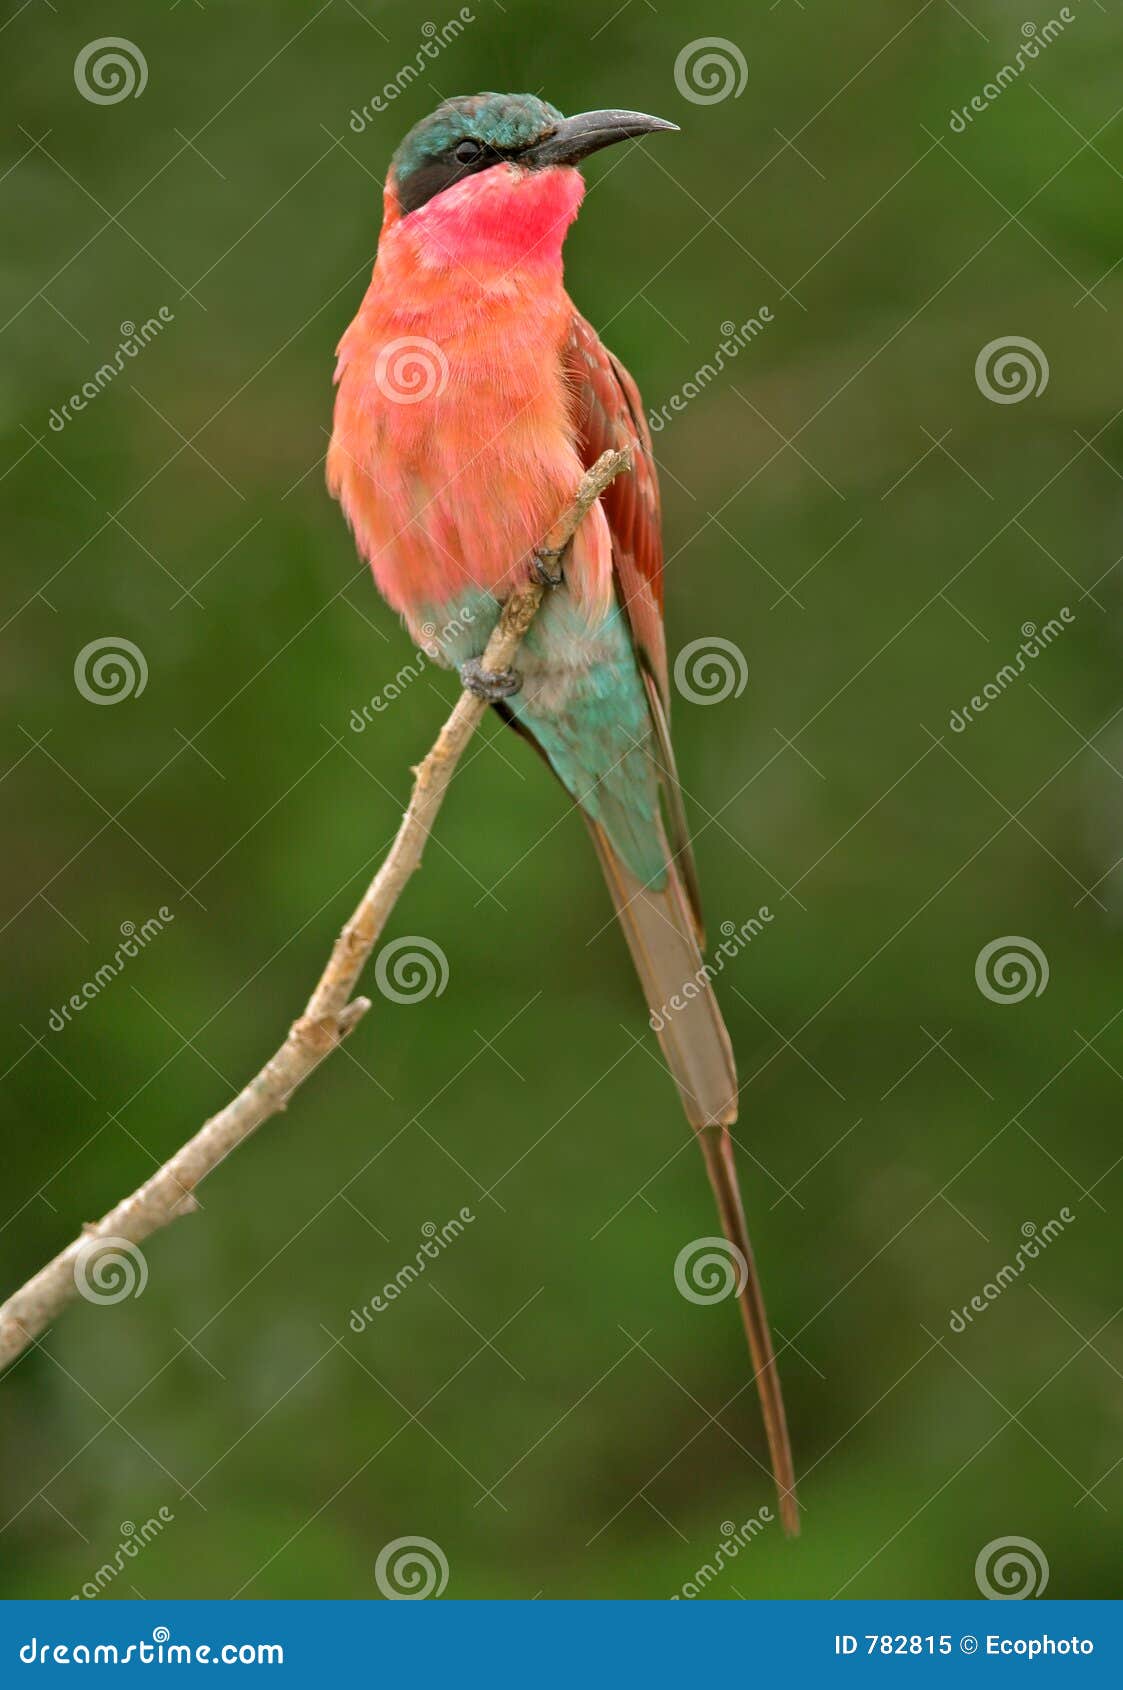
503	220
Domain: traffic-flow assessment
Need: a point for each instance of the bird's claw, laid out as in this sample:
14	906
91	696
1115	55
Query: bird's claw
489	684
546	565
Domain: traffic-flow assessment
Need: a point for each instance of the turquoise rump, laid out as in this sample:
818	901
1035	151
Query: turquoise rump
583	703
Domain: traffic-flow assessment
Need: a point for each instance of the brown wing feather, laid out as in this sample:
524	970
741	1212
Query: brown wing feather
608	413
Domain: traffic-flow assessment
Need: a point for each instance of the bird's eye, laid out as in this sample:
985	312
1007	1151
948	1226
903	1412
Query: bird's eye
467	152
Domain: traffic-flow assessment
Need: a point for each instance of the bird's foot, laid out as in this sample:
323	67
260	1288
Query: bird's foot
489	684
546	565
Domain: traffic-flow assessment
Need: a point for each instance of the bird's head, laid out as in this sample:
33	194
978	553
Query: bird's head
499	171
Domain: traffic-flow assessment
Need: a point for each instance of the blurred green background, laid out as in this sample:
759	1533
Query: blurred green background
847	507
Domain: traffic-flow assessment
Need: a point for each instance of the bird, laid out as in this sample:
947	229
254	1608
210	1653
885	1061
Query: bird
471	396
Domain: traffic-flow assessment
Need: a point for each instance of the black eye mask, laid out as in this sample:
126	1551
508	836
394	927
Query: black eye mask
465	157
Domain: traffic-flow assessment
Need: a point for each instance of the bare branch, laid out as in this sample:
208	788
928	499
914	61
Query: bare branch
331	1011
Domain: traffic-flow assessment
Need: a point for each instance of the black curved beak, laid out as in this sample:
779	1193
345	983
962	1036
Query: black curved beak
576	137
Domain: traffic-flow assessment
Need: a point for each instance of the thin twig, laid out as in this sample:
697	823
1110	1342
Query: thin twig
331	1011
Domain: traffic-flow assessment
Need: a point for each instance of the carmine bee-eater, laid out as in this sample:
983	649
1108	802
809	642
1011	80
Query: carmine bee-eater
472	395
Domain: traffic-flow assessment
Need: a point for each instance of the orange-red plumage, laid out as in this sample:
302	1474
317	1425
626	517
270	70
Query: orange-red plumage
453	490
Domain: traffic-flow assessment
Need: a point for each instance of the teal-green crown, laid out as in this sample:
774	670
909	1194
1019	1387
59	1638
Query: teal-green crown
506	122
501	124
